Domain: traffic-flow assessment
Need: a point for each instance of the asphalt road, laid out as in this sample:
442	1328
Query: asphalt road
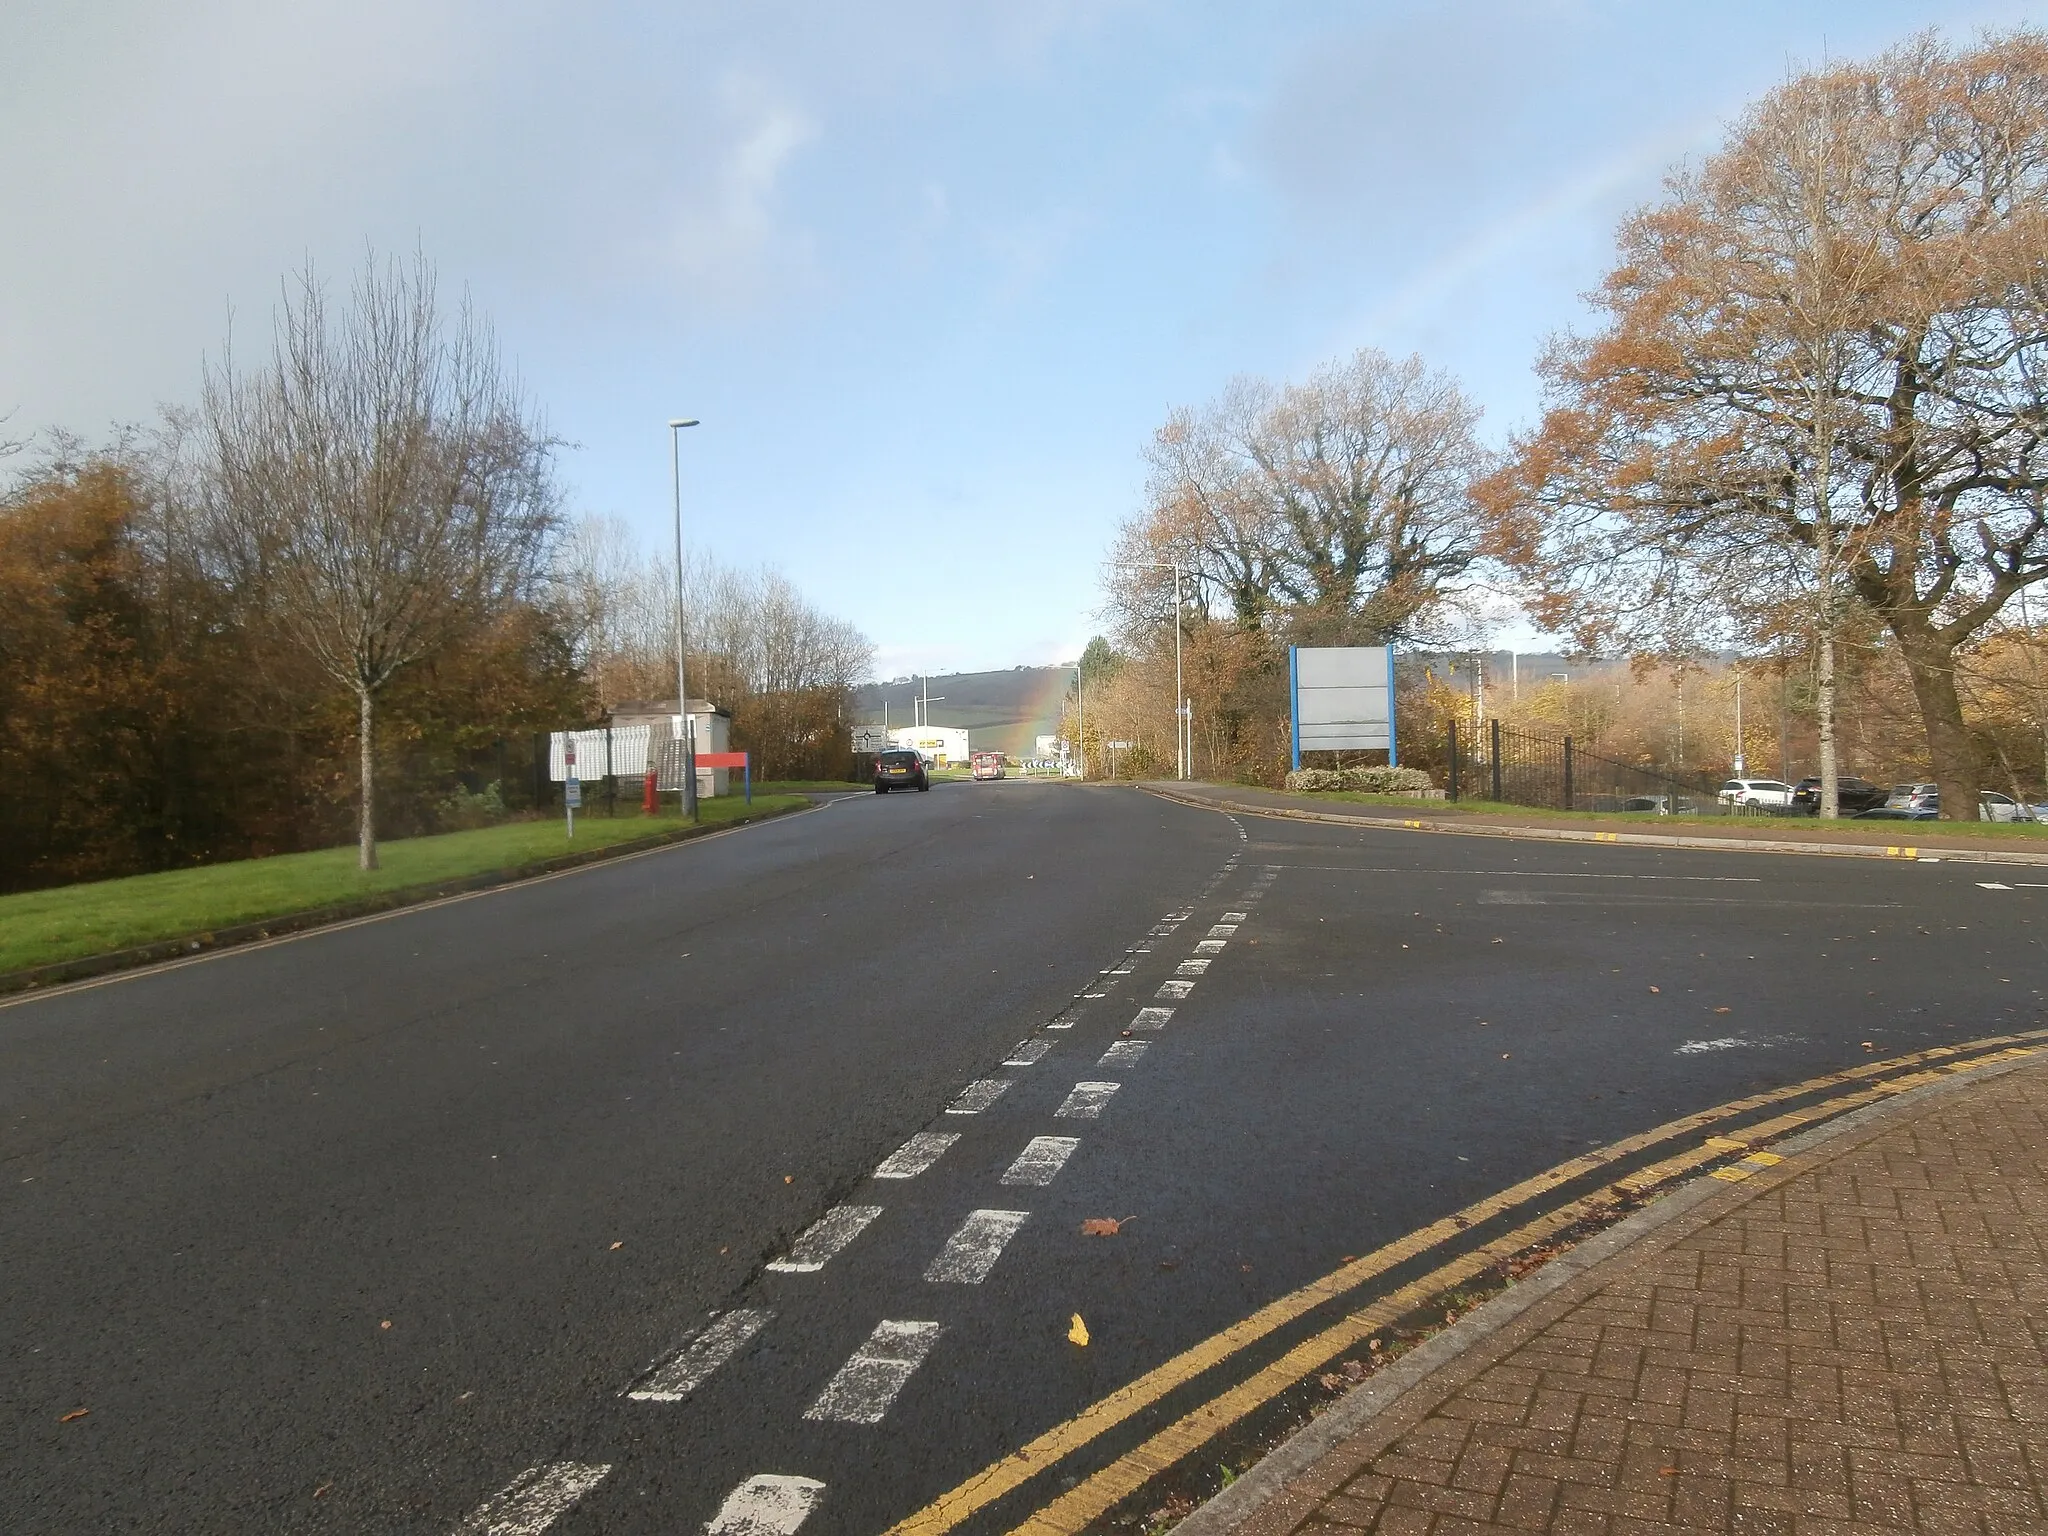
353	1231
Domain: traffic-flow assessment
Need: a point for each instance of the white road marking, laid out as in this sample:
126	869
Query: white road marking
915	1155
1191	968
972	1252
864	1387
1235	917
1513	899
1222	930
1174	989
1027	1052
689	1367
1211	946
1124	1053
1121	970
1991	885
825	1237
1736	1043
1162	930
1528	874
978	1095
534	1500
1151	1018
1086	1101
766	1505
1041	1159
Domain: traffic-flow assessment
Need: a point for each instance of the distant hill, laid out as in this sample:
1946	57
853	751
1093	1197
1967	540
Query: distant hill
1001	711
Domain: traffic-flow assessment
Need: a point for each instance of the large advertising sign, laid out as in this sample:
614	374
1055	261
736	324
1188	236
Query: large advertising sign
1342	698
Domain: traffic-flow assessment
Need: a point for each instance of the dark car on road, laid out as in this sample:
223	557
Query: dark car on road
900	768
1853	794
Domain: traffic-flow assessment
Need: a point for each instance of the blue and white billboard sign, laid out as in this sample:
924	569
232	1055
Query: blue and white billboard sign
1342	698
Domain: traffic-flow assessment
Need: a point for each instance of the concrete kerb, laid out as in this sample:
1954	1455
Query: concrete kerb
63	975
1282	1471
1609	839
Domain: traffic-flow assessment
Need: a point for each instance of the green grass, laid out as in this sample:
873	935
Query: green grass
1759	826
73	921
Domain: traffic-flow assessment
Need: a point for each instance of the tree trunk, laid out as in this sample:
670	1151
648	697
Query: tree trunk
366	822
1830	760
1932	667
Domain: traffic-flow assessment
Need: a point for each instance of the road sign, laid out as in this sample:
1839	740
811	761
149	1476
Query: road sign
870	738
1343	698
572	792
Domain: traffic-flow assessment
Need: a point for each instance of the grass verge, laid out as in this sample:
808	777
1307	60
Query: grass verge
73	922
1746	826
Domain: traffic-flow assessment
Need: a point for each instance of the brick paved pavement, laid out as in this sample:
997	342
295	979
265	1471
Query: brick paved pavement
1853	1343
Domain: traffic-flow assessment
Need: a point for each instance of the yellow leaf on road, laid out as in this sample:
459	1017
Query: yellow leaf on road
1077	1331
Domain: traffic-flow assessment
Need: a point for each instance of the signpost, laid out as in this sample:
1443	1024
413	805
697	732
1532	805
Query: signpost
870	738
1342	699
572	787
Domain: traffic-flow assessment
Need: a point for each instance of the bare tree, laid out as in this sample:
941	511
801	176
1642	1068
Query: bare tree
1335	511
380	480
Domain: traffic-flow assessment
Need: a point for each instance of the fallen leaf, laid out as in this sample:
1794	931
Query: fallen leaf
725	1250
789	1178
76	1413
1500	941
1375	1346
1870	1045
1331	1381
1504	1055
1667	1471
1245	1268
1723	1010
1077	1331
321	1491
385	1324
1656	989
618	1245
1352	1369
1104	1226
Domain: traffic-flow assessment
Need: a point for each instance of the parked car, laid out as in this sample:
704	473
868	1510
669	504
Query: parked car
1851	794
988	765
1913	797
1899	813
900	768
1662	805
1756	795
1992	806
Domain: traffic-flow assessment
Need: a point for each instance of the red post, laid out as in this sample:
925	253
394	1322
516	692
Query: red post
647	800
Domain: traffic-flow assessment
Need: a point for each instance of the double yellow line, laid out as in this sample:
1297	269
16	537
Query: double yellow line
1102	1491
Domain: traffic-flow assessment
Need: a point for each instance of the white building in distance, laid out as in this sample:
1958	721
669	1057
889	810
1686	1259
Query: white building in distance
944	745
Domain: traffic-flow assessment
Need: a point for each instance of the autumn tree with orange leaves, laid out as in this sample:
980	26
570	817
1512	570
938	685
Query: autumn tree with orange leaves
1822	383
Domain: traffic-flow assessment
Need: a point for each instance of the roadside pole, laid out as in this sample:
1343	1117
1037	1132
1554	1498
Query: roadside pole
572	787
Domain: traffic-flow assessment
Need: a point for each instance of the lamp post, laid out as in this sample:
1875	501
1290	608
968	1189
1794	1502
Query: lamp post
1183	717
684	726
1741	764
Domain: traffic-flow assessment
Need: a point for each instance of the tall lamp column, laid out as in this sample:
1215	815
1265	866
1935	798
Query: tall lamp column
685	727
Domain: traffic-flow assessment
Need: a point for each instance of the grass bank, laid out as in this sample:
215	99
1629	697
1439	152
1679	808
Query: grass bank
72	922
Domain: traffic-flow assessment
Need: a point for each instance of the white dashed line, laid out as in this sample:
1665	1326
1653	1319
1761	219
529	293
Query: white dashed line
1121	970
1086	1101
1191	967
1222	930
977	1096
1174	989
1235	917
766	1505
1124	1053
1027	1052
1211	946
972	1252
534	1500
825	1237
915	1155
867	1384
1151	1018
1992	885
689	1367
1040	1160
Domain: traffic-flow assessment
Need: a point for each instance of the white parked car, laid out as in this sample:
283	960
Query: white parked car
1992	806
1756	794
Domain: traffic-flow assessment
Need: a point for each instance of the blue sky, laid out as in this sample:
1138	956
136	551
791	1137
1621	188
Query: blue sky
930	273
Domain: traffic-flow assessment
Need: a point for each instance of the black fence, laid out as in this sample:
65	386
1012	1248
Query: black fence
1517	767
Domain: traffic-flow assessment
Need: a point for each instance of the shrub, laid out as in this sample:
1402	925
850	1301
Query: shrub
1372	781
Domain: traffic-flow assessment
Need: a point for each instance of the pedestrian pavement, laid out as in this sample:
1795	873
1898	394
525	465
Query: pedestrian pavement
1922	840
1852	1342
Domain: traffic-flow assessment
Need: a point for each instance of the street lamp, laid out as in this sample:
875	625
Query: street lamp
1183	718
684	726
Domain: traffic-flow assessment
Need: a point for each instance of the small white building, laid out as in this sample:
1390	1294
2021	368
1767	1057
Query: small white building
711	726
944	745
